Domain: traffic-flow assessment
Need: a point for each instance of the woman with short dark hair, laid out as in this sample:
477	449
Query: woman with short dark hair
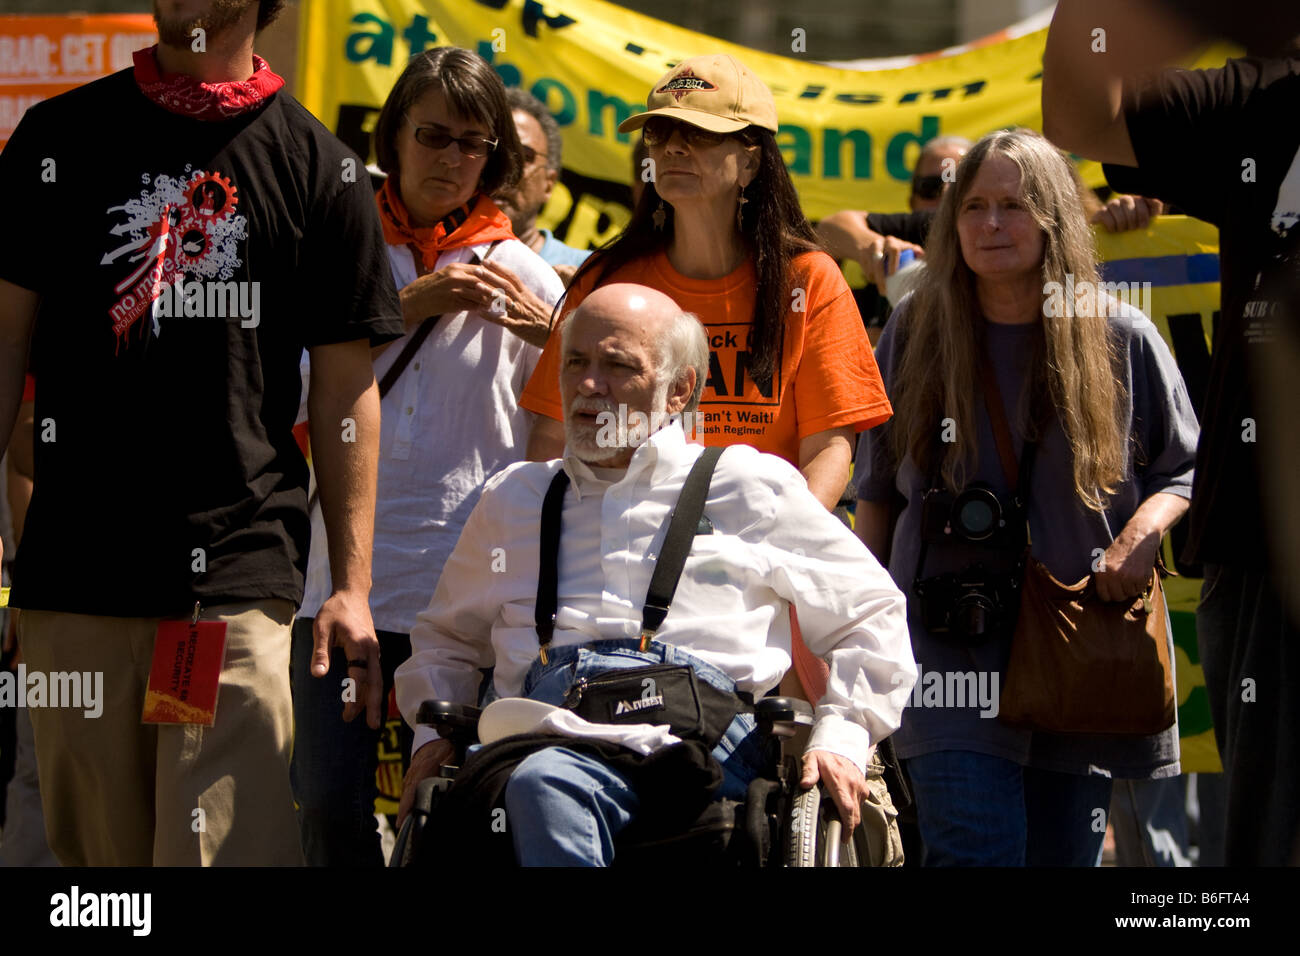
451	418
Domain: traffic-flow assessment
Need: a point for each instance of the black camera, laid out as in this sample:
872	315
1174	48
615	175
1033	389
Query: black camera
971	606
978	603
976	515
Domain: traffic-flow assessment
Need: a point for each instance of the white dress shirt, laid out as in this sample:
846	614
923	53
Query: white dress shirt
773	546
451	420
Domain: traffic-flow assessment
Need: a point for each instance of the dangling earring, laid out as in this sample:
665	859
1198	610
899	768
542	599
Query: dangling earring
660	217
740	211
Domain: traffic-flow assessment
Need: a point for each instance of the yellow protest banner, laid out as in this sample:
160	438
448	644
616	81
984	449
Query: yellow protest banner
850	137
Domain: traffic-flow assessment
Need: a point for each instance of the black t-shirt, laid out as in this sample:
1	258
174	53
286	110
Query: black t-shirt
1224	144
166	470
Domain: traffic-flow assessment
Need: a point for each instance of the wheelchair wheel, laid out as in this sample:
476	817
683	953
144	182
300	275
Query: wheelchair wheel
406	847
815	834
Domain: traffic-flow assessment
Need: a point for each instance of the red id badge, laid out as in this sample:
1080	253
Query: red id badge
186	673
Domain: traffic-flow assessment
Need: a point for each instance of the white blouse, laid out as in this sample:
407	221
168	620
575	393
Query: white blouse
451	420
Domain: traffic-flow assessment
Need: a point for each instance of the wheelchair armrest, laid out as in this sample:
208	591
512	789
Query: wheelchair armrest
781	716
456	722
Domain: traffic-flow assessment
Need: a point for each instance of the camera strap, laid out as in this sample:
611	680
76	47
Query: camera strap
683	525
1017	473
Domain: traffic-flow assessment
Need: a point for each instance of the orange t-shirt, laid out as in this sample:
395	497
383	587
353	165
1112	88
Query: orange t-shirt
827	379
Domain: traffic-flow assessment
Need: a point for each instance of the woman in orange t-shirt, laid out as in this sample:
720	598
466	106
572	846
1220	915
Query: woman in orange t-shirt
720	230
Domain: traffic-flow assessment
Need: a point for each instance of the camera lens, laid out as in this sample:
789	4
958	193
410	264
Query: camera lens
973	613
976	518
976	514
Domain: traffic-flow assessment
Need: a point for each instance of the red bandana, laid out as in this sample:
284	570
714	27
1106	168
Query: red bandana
183	94
477	222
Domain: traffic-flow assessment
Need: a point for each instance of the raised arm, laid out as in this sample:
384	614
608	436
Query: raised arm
1084	71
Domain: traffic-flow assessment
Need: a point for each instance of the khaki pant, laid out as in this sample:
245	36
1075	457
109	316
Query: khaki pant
880	819
117	792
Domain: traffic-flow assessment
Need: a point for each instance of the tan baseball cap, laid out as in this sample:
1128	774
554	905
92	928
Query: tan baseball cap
717	93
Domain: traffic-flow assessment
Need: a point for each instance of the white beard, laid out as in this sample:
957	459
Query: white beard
615	429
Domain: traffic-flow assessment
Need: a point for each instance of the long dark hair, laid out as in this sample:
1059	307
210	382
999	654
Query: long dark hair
774	230
473	90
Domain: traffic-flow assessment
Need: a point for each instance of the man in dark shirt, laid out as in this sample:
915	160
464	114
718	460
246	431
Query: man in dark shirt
1223	144
875	239
177	234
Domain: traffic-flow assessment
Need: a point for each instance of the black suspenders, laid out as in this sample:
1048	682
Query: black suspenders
682	528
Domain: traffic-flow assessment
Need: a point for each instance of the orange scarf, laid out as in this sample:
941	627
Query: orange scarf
477	222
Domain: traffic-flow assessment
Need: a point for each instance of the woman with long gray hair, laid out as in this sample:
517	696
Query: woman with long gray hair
1010	308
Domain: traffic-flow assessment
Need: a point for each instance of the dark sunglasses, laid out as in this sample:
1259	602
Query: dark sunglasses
660	129
928	187
437	138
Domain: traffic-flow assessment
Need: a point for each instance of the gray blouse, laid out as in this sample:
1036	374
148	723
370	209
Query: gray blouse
954	705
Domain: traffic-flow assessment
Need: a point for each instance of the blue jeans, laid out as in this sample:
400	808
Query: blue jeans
1150	822
565	808
977	810
334	762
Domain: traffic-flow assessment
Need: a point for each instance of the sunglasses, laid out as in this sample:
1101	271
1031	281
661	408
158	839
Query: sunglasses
927	187
660	129
434	137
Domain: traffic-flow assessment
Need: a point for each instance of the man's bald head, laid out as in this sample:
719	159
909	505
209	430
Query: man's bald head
650	316
640	305
631	346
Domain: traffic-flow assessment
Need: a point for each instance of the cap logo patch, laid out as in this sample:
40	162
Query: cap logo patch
685	82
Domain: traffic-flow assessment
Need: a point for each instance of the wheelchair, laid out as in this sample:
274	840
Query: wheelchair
778	824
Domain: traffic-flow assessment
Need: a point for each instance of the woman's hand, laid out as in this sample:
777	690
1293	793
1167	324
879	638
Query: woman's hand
453	288
1127	564
512	305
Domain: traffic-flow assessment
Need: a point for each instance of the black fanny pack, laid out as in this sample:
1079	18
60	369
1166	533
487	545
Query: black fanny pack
671	694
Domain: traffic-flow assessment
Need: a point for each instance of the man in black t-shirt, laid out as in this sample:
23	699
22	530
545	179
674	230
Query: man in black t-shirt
1224	145
176	235
876	239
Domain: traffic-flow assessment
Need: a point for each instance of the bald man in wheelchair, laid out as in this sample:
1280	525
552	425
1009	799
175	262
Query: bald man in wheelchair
558	585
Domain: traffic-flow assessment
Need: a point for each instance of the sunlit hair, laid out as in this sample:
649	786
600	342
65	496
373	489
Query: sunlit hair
684	345
472	91
1072	370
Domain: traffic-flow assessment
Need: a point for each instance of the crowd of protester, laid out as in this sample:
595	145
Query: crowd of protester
440	349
